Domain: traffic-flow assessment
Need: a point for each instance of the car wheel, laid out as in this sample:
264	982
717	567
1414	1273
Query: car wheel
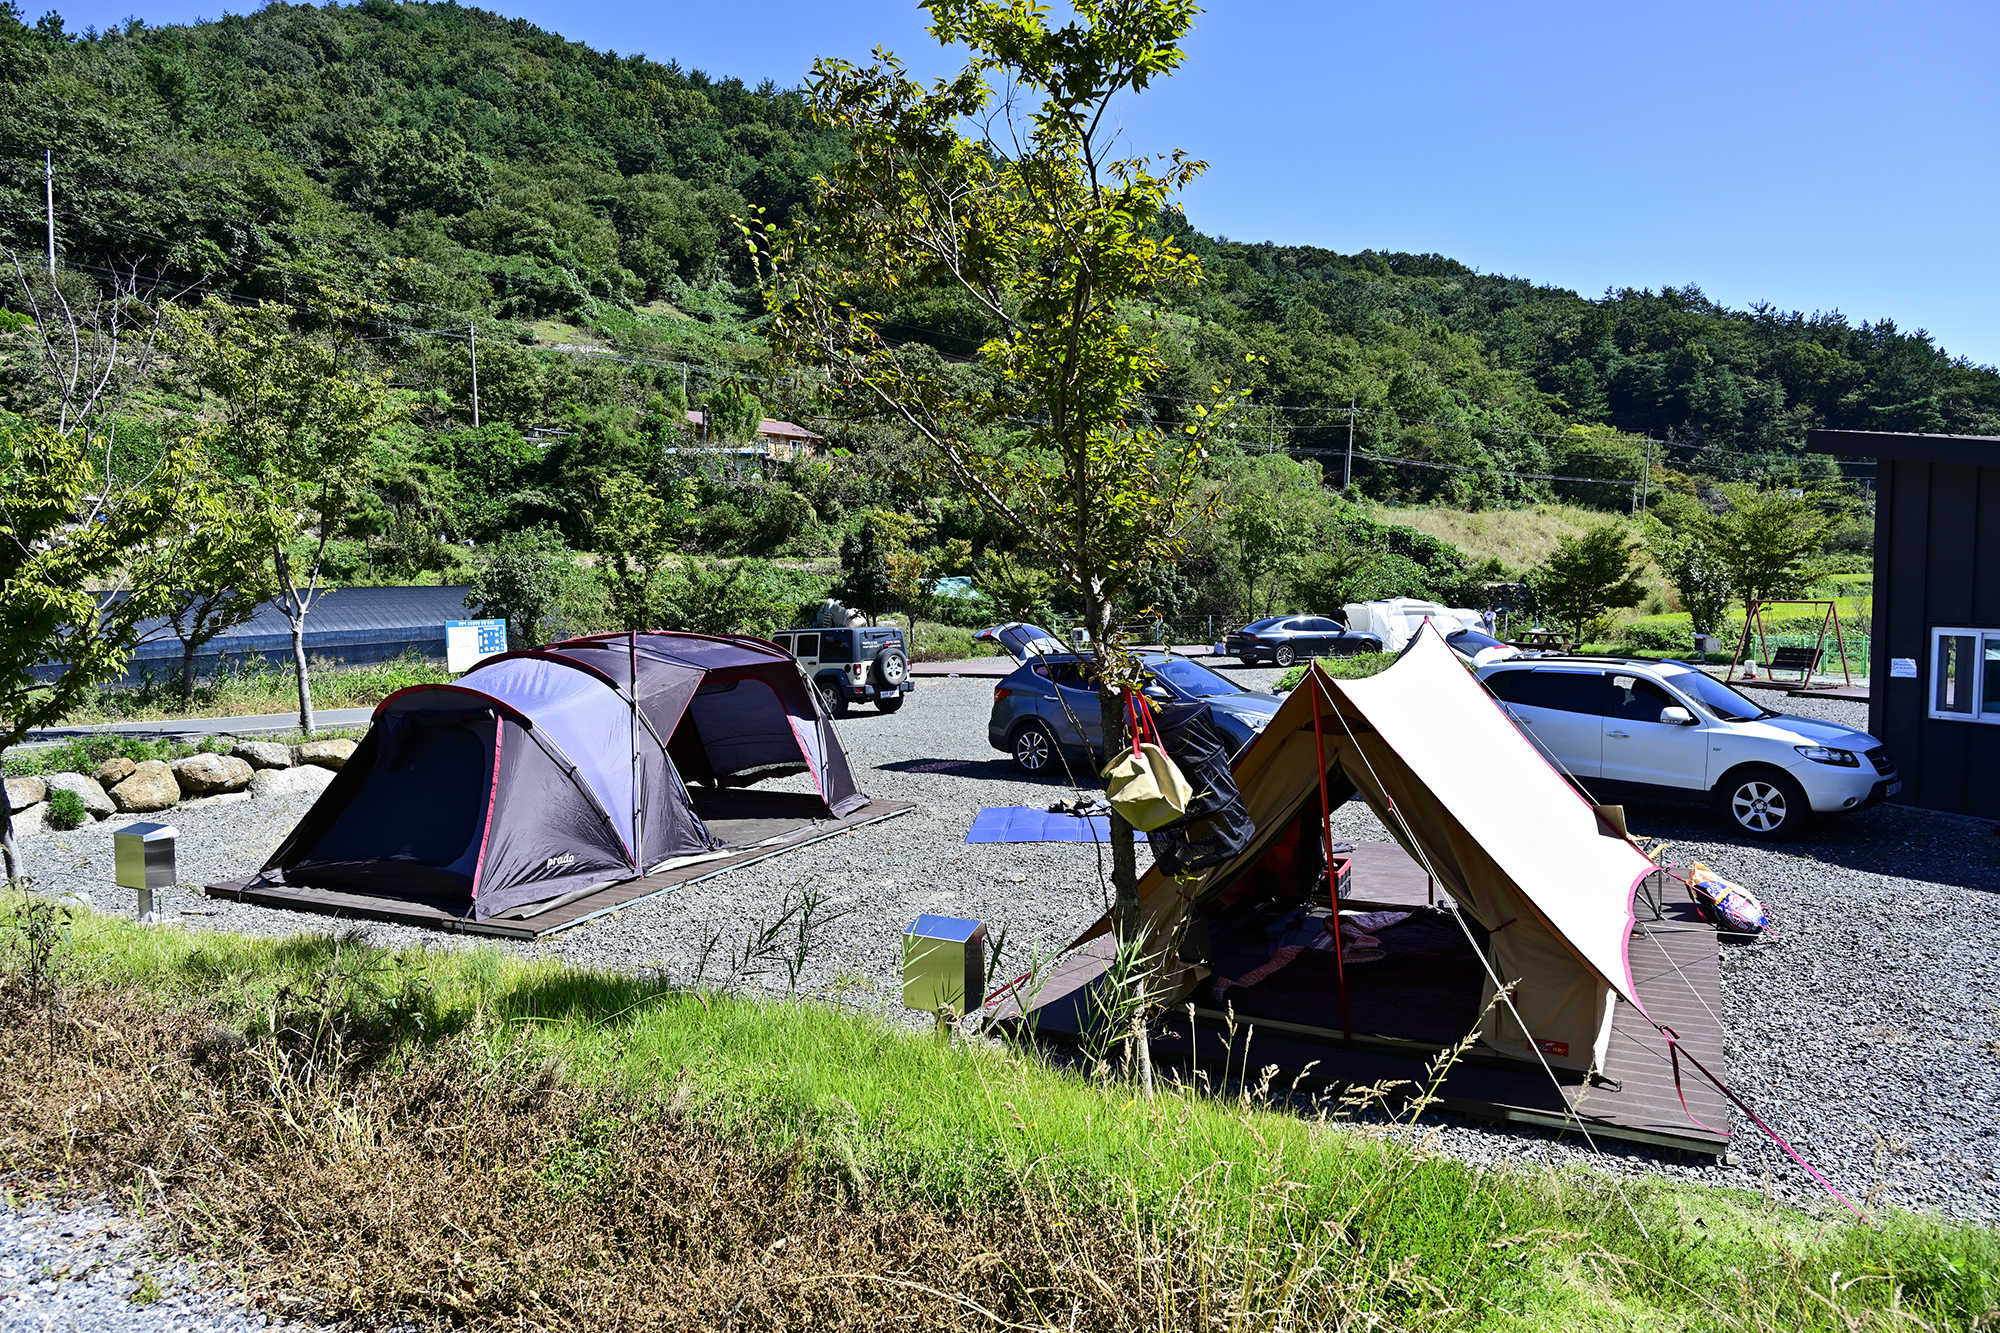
834	699
1034	749
1248	659
889	703
1765	803
1283	655
891	668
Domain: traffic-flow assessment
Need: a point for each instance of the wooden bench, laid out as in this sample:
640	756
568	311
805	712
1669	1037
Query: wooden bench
1805	661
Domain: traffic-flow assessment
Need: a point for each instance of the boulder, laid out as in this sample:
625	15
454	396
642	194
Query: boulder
24	792
93	797
29	822
114	771
309	780
263	754
327	754
212	773
151	787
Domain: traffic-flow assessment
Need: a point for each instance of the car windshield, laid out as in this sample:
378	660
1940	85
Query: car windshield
1718	698
1193	679
1263	624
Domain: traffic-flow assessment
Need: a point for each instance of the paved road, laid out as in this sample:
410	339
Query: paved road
257	724
262	723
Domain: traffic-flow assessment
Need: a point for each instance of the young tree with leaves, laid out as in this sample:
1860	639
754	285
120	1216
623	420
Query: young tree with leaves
225	571
292	413
634	538
1055	241
1686	553
528	579
1773	542
732	413
90	539
864	567
1587	576
1018	589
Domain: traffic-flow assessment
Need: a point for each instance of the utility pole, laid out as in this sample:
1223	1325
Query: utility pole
49	190
1347	470
472	333
1646	478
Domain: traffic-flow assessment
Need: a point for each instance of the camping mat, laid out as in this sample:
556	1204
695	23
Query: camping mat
1425	987
1024	823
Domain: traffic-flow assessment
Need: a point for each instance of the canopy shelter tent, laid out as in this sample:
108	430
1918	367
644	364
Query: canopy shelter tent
1536	890
544	777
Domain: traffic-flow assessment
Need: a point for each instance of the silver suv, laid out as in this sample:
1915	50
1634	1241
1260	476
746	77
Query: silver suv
1630	729
852	665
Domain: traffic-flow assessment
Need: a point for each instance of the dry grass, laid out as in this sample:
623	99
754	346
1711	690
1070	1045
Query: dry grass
456	1190
1517	538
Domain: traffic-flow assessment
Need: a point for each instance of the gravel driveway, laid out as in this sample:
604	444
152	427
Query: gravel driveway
1867	1028
90	1269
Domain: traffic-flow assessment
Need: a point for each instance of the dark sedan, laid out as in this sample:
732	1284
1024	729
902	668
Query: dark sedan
1283	640
1047	709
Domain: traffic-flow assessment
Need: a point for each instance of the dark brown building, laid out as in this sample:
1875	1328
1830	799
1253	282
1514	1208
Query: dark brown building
1934	660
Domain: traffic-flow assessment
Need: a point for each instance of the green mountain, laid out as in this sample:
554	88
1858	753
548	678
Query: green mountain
461	168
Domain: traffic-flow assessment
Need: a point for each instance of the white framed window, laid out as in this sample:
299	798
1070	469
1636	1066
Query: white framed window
1965	675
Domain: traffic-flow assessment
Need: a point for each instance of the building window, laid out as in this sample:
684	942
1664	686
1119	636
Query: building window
1965	675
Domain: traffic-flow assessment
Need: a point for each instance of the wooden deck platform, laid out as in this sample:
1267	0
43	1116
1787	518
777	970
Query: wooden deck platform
609	898
1674	963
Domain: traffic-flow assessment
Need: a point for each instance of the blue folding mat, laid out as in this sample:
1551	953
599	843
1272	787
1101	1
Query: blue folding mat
1025	823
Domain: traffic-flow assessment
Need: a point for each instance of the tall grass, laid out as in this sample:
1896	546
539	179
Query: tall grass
246	688
1193	1210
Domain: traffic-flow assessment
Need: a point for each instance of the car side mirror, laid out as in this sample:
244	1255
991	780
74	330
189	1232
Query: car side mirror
1675	715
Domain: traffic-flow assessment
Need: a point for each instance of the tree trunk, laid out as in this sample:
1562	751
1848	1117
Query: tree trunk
299	665
187	671
1124	857
10	848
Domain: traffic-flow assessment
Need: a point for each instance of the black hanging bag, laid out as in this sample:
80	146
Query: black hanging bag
1216	827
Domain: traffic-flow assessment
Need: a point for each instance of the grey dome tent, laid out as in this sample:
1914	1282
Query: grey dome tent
533	780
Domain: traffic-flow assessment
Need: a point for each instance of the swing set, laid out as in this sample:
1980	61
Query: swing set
1803	660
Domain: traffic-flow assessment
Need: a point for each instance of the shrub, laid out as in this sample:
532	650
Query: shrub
66	810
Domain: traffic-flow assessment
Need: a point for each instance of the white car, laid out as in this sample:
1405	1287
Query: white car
1638	731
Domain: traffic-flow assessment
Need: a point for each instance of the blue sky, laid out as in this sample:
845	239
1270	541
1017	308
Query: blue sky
1818	156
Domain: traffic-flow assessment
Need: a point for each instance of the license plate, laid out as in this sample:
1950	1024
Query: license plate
1892	789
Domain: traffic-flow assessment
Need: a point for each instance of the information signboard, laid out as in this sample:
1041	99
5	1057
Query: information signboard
469	642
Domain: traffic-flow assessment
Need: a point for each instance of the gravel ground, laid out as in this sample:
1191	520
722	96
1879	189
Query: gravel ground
90	1269
1866	1029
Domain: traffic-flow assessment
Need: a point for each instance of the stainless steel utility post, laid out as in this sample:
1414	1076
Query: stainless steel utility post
143	860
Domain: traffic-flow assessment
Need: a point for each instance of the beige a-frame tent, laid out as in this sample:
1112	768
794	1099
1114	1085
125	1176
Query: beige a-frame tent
1543	882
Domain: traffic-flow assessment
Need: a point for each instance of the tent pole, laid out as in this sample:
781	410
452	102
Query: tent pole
638	770
1326	850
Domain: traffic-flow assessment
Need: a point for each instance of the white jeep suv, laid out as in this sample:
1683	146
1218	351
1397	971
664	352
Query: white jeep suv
1634	730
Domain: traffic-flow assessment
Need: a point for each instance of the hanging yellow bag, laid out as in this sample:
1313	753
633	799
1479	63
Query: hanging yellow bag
1142	783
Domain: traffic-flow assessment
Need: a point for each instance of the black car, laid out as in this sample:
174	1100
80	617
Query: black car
1283	640
852	665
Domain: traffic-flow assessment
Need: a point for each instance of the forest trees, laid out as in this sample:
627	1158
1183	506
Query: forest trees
1053	242
289	416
